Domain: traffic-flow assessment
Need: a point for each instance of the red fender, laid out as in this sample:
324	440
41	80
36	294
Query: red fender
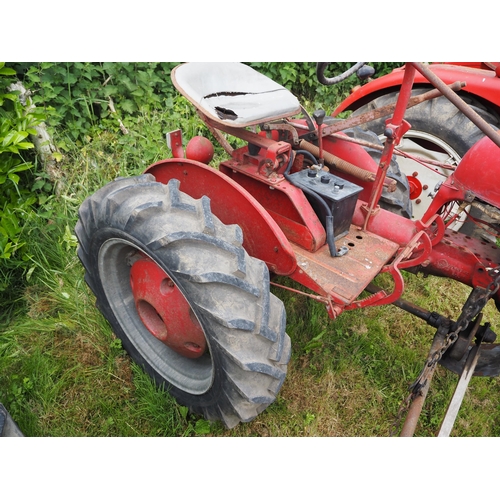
232	204
482	83
483	157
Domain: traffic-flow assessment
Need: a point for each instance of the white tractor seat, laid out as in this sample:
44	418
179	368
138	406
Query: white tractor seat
234	93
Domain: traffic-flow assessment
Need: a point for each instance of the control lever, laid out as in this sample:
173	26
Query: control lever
319	116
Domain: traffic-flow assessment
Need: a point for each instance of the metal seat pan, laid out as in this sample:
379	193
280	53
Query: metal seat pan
233	93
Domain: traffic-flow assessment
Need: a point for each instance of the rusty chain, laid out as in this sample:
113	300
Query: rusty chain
476	301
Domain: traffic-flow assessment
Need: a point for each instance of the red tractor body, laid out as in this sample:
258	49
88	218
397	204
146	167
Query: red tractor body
312	201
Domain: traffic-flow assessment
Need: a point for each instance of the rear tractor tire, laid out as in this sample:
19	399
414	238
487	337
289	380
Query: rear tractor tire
188	303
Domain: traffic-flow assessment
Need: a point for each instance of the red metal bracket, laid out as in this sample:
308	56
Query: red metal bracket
174	142
440	227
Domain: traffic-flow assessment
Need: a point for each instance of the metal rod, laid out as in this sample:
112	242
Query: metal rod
318	298
354	121
415	410
432	318
417	404
463	383
458	102
339	163
397	152
394	131
459	394
403	98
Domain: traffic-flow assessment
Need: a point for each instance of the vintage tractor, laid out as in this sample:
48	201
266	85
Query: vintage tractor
180	257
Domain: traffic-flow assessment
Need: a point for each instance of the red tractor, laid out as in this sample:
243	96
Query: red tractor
180	258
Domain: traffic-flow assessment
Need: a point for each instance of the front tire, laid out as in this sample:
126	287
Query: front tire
188	303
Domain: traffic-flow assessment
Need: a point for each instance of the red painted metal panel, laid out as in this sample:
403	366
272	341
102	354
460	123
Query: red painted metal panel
232	205
286	203
386	224
483	157
463	259
344	278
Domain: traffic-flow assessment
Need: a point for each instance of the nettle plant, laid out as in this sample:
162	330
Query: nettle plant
19	190
86	98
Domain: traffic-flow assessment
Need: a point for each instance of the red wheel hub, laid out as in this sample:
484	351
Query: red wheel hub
164	310
415	187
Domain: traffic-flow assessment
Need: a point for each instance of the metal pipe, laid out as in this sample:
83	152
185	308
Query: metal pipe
375	114
339	163
431	318
415	410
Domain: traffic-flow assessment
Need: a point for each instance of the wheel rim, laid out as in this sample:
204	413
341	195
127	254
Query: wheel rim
155	316
425	181
164	310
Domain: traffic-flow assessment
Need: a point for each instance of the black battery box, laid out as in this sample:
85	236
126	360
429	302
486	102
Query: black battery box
340	195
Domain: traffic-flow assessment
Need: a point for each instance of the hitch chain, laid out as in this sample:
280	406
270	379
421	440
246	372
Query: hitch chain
476	301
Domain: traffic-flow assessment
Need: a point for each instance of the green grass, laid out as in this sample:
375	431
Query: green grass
63	373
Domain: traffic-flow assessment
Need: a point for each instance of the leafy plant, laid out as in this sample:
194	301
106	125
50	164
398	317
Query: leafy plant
87	97
20	192
17	393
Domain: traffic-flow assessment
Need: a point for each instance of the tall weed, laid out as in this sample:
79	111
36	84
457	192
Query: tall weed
24	190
